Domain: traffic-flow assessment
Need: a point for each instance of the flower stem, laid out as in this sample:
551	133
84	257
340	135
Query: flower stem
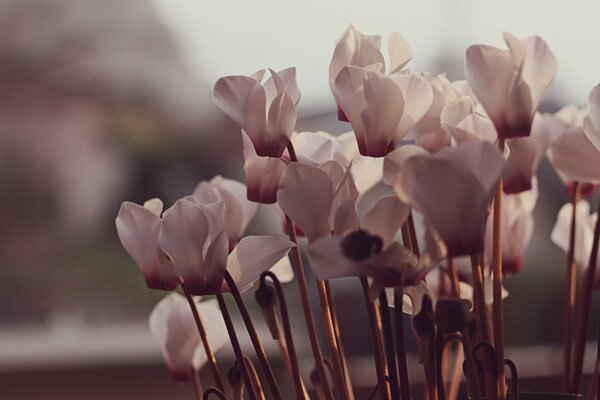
388	335
338	373
258	348
498	320
570	290
197	384
255	380
338	339
308	315
287	331
237	349
212	361
401	345
375	325
584	310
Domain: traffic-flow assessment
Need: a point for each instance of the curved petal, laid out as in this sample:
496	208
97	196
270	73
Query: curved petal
186	236
349	92
231	93
262	174
281	121
574	156
594	107
392	163
173	327
305	194
254	255
490	71
592	134
400	52
418	96
138	229
386	217
539	68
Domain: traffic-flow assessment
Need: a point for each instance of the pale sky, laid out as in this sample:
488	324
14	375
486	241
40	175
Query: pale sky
239	37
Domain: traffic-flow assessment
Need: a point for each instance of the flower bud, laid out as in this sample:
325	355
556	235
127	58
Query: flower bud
266	297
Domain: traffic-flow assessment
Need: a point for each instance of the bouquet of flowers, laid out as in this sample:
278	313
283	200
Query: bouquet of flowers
458	162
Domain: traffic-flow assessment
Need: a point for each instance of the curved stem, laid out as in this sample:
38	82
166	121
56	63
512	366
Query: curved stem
308	315
237	349
255	380
287	331
514	379
388	335
214	391
375	325
584	309
258	348
570	290
212	361
497	283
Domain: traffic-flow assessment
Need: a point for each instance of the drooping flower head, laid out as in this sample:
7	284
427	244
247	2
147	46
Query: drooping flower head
267	113
511	84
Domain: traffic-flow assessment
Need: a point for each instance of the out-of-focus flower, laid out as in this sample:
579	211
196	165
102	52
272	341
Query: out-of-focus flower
517	229
591	123
392	163
320	200
428	132
381	109
464	123
511	84
366	171
525	157
267	113
173	327
357	49
584	234
453	189
239	211
262	174
193	235
571	153
138	228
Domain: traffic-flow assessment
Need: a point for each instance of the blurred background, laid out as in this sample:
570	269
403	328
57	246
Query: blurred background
103	101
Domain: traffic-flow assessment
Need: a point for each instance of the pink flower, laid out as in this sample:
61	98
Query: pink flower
511	84
359	50
517	229
465	123
267	113
194	237
173	327
525	157
239	211
262	174
381	109
584	234
138	228
319	199
571	153
452	189
591	123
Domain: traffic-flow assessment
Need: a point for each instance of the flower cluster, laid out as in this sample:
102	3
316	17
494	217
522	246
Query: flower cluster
428	201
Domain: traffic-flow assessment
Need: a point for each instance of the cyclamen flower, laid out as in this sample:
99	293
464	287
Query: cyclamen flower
172	325
571	153
320	200
461	119
584	234
517	229
262	174
357	49
138	229
381	109
591	123
267	113
452	189
193	235
511	84
239	211
525	157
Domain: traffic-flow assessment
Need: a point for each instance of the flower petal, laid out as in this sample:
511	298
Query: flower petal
386	217
254	255
305	194
262	174
138	229
392	163
400	52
